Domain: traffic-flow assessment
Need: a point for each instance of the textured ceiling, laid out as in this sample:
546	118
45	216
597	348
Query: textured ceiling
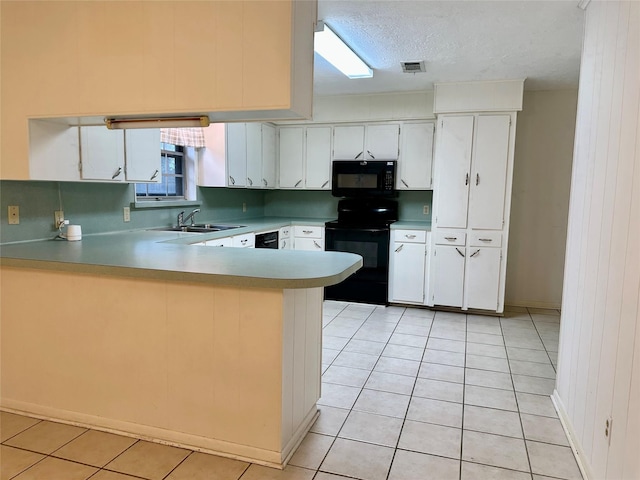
458	40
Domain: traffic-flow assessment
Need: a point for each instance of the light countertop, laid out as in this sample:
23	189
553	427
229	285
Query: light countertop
170	256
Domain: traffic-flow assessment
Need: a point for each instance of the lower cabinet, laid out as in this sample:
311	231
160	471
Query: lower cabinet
308	238
284	238
408	266
466	270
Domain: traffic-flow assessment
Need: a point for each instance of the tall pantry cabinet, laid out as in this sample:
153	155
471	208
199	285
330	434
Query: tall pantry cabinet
472	198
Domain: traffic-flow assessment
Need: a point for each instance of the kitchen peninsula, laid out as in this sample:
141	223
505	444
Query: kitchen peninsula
215	349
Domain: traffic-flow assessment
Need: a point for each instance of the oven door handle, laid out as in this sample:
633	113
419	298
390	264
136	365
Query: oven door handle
349	229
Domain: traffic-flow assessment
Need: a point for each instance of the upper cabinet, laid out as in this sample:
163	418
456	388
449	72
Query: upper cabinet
415	164
66	153
251	155
142	150
366	142
472	171
102	154
92	59
305	157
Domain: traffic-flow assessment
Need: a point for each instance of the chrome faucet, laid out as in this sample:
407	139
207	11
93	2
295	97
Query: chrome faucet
182	219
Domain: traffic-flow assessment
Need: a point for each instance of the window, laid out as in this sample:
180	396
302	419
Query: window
172	186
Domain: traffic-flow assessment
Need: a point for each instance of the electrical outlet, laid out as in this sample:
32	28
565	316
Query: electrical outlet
58	216
14	215
126	214
244	206
425	209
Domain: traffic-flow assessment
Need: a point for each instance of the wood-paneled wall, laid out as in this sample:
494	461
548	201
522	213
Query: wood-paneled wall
599	360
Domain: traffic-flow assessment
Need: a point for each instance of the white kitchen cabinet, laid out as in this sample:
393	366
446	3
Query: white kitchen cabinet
447	278
236	154
308	237
220	242
102	154
472	198
366	142
247	240
143	159
482	278
489	172
453	161
268	138
291	157
415	163
253	133
318	158
284	238
407	266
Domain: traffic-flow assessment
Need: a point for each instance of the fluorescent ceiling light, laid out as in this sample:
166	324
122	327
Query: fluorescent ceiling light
156	122
335	51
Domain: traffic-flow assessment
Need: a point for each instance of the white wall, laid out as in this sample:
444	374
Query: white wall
599	359
540	198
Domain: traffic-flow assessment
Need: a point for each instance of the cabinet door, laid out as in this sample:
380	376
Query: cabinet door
236	154
291	157
416	157
453	160
482	278
254	155
382	142
268	179
312	244
406	272
318	158
142	150
54	151
348	142
448	275
102	153
489	172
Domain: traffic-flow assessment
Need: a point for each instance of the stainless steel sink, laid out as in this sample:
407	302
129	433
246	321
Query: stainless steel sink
199	228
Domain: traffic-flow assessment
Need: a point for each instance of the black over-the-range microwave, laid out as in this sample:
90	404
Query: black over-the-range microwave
360	178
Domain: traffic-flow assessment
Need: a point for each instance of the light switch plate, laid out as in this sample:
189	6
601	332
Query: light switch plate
126	214
425	209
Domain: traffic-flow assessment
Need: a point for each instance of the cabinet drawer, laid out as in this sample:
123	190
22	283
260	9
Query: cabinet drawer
284	232
219	242
485	239
308	231
247	240
450	237
410	236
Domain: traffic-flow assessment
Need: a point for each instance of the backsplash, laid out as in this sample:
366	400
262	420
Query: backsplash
97	207
320	204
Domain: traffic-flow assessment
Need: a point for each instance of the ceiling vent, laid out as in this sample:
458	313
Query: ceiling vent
413	67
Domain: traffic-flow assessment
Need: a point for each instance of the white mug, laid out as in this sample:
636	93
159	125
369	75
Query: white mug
74	232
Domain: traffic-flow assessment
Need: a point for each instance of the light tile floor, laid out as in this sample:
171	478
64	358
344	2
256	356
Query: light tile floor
408	394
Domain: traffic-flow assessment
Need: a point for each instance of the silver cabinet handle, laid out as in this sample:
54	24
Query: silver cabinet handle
307	232
461	254
250	181
410	236
477	179
324	184
466	179
243	241
233	180
451	238
155	174
485	239
404	183
317	244
399	248
284	244
358	156
371	154
264	182
475	253
298	183
118	172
